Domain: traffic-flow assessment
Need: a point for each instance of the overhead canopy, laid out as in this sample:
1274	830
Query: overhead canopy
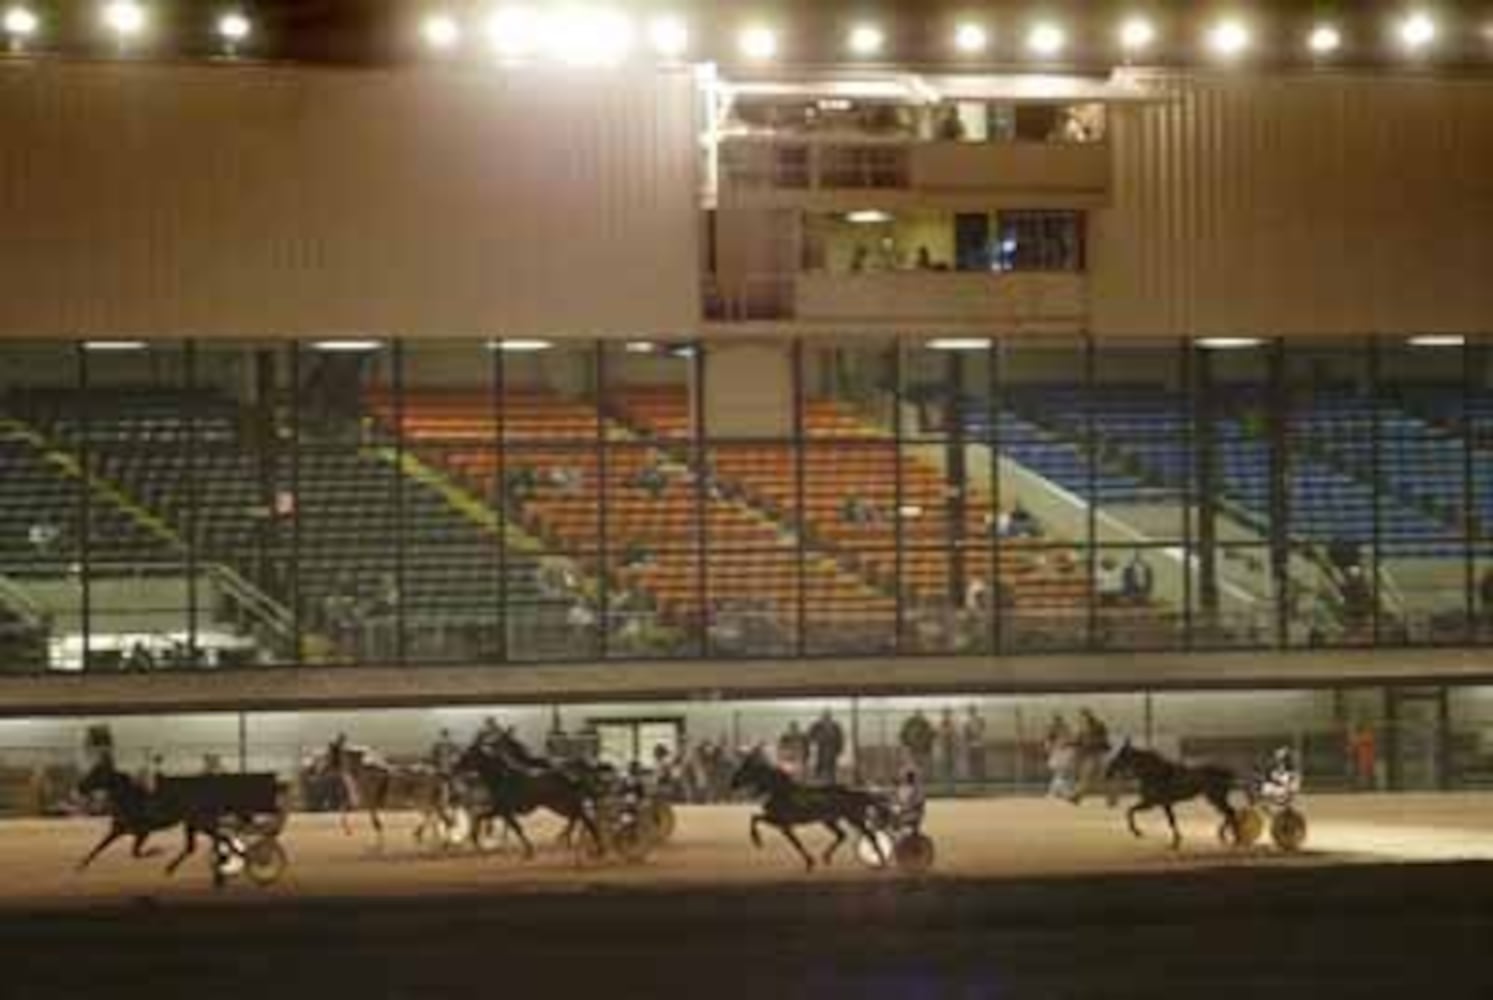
917	88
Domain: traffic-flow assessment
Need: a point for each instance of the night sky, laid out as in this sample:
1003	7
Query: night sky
813	31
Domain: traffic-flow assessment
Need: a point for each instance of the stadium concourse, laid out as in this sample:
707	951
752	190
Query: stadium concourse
976	840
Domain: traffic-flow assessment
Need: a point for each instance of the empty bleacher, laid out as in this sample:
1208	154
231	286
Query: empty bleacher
555	482
367	543
845	457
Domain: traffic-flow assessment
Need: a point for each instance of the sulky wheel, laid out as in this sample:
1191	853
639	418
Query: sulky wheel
914	853
866	849
227	857
1248	826
631	842
1288	829
265	860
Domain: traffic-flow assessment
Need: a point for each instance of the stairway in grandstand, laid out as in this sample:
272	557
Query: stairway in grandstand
1142	429
139	578
555	480
331	510
845	455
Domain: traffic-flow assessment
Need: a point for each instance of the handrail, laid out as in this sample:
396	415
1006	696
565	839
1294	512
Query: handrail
15	598
264	607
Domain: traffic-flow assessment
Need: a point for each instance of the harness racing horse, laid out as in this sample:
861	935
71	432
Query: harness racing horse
1164	783
787	804
365	783
137	812
514	790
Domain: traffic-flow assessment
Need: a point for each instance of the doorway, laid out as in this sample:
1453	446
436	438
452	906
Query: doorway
1418	726
623	741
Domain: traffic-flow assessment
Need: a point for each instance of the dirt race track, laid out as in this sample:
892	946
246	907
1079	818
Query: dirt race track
1029	898
975	839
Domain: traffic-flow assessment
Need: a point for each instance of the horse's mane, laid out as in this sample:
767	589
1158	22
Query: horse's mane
772	775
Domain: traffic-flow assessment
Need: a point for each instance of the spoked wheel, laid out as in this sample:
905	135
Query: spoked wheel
1248	825
866	848
228	856
914	853
1288	829
265	860
631	842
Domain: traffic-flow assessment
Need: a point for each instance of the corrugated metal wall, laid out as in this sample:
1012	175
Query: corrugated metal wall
171	200
1309	204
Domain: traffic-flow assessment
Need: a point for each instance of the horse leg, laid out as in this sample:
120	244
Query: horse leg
589	825
1171	818
139	850
787	831
752	829
115	832
188	847
865	831
511	822
1219	799
1139	807
829	852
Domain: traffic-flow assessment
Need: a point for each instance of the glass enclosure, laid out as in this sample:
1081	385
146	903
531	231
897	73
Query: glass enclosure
223	504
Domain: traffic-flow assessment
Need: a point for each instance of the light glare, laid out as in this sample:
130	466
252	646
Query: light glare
1324	39
1136	33
346	346
113	345
20	22
514	32
1227	343
971	38
669	36
1417	30
1046	39
1438	340
866	40
1228	38
587	36
124	17
958	344
440	31
234	27
758	42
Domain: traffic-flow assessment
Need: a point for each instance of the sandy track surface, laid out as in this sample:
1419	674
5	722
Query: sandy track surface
991	838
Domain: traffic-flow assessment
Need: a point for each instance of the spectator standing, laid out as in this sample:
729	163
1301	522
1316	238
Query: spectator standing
1364	752
1139	579
1093	744
828	741
974	745
1062	755
948	746
917	739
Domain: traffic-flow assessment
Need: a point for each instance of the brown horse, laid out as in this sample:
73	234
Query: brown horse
368	782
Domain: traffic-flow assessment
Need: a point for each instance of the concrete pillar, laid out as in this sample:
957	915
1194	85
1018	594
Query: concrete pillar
748	390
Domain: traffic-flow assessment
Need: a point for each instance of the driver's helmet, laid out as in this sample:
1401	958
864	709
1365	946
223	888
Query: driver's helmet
1284	759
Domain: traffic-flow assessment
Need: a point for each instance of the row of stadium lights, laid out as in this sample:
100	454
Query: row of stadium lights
597	36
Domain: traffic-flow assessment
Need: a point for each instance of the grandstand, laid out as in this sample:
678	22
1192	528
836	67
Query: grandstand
776	380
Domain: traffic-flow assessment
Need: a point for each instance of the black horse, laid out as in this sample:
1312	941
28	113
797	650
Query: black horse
514	790
1164	783
137	812
786	804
